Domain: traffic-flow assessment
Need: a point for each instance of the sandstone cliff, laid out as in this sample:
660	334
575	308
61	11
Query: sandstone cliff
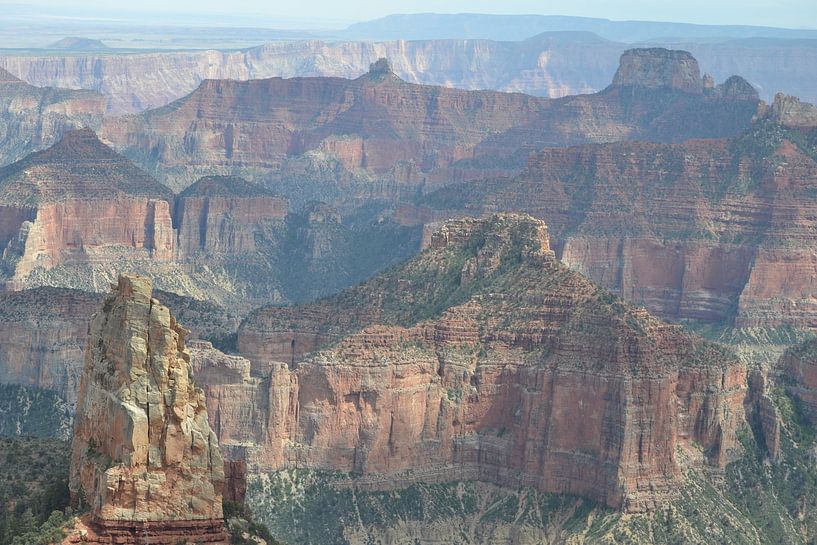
485	358
399	138
543	65
797	370
221	215
42	338
76	202
33	118
143	455
711	230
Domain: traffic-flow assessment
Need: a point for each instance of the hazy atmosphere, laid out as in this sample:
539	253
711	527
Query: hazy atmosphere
787	13
409	272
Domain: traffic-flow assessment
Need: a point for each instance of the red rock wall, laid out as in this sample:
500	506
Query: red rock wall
798	367
71	231
223	225
42	339
691	231
599	435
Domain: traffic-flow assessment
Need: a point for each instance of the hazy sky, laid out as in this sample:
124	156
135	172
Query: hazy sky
788	13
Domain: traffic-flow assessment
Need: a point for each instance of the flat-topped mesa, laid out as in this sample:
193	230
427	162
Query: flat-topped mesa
657	68
791	112
143	457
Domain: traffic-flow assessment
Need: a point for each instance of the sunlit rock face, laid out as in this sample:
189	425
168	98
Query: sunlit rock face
143	450
485	358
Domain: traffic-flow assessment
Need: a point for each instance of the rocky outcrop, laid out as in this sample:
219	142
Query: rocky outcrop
789	111
144	458
76	201
543	65
709	230
486	359
222	215
392	138
33	118
658	68
798	372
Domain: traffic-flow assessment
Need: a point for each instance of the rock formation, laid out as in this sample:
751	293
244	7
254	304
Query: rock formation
798	374
486	359
395	139
144	458
658	68
543	65
789	111
223	214
33	118
79	201
72	214
709	230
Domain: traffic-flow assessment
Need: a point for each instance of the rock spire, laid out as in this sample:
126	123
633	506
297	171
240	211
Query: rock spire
144	458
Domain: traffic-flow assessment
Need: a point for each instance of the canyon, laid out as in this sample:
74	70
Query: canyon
541	65
512	354
33	118
708	230
394	139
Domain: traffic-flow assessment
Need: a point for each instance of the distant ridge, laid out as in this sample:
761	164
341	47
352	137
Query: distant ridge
7	77
79	44
77	167
432	26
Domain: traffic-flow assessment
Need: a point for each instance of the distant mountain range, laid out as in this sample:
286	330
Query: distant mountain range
436	26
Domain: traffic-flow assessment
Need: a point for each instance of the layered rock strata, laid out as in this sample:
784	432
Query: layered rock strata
221	215
42	338
393	139
798	374
485	358
76	202
75	214
144	459
708	230
33	118
543	65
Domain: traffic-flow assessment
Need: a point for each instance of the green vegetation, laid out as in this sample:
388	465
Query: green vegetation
243	528
33	412
755	501
34	495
